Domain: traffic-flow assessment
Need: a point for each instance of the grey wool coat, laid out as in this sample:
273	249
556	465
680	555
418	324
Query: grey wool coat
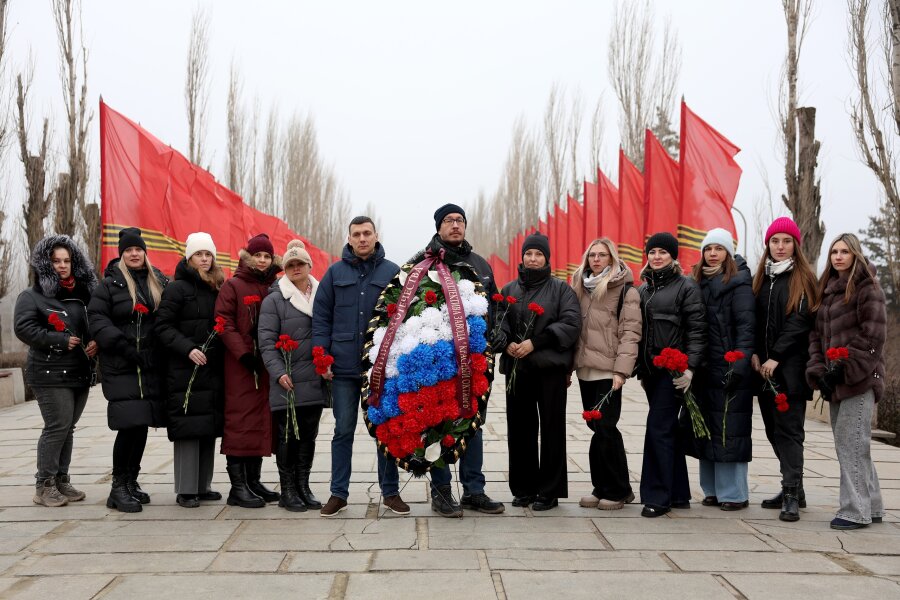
286	311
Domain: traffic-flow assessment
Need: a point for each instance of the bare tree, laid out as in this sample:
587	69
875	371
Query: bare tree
6	243
802	197
269	168
238	150
555	143
893	8
37	204
196	85
869	122
598	129
644	79
576	116
71	187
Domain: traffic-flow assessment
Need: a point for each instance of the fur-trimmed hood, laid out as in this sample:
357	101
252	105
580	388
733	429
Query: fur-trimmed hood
246	271
45	276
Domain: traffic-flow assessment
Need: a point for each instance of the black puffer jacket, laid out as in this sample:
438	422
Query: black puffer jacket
784	338
114	326
50	363
286	311
730	313
554	334
673	317
184	321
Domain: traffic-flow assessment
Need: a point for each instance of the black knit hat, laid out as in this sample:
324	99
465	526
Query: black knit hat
537	241
131	236
447	209
664	240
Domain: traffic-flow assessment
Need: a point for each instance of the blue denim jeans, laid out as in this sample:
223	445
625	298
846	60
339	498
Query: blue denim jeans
726	481
470	468
860	494
345	395
60	408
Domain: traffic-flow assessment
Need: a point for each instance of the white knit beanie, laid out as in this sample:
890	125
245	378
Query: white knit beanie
296	250
199	241
721	237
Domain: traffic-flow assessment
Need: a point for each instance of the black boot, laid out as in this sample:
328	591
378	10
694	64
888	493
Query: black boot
120	498
790	509
444	504
284	458
777	500
134	488
302	467
253	468
240	494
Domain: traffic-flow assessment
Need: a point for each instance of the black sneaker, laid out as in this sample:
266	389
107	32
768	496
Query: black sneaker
442	503
482	503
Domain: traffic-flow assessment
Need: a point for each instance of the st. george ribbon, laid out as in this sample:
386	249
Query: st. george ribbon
458	328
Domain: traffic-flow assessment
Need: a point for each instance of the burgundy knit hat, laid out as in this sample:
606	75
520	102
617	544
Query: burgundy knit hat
783	225
260	243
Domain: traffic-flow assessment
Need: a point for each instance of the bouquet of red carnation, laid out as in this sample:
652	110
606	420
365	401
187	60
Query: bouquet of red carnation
218	329
252	302
323	361
536	311
731	357
287	345
506	303
59	325
141	310
781	399
835	356
676	363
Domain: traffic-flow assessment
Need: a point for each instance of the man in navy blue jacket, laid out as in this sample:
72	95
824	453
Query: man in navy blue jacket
343	306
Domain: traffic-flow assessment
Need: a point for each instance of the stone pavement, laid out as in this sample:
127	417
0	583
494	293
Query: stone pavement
85	550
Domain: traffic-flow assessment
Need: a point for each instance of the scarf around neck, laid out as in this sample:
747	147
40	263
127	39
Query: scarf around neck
591	281
711	271
777	268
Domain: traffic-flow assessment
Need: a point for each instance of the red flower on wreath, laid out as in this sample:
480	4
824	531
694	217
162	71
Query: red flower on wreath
430	297
392	309
448	441
56	322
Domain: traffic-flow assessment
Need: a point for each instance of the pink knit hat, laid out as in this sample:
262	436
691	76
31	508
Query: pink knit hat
783	225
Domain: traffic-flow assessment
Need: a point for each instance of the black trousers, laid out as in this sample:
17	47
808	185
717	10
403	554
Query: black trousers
786	433
609	466
128	450
536	406
664	478
307	426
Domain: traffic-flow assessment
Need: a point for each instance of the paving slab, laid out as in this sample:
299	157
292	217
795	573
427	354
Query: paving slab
281	585
321	562
425	560
777	586
589	586
753	562
412	586
77	587
576	560
116	563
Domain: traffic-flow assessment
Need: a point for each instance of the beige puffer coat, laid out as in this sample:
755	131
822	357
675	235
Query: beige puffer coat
608	343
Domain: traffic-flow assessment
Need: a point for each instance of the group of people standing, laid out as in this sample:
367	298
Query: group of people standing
200	356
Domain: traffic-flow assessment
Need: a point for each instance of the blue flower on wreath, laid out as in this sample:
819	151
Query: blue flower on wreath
388	407
477	328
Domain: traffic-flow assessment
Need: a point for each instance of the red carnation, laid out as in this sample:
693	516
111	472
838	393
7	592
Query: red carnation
586	415
497	298
250	300
596	415
318	351
511	300
391	309
479	363
733	356
219	327
782	407
536	308
448	441
781	398
838	353
430	297
56	322
140	308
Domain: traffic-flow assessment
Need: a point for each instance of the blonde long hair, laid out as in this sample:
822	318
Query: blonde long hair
152	282
859	262
615	265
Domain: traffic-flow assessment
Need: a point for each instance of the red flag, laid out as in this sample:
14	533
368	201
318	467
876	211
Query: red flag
591	211
501	271
709	183
661	195
576	241
550	232
610	209
145	183
513	260
631	232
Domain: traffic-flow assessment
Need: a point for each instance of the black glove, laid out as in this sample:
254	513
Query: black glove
834	376
498	341
249	362
825	387
132	355
732	383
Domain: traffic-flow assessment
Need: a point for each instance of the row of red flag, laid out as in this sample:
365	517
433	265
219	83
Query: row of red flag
145	183
685	198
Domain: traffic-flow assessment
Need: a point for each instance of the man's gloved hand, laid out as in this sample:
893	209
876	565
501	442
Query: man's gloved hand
498	341
684	382
825	387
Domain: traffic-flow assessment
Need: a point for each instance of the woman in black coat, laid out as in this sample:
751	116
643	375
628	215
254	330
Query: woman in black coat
726	401
673	317
122	314
184	322
536	399
785	289
51	319
288	310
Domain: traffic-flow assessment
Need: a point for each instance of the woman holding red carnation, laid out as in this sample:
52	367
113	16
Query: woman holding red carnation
185	319
51	319
247	435
846	364
673	316
725	395
785	290
607	351
122	312
541	330
287	311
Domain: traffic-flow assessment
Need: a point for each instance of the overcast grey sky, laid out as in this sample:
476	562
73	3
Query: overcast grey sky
415	101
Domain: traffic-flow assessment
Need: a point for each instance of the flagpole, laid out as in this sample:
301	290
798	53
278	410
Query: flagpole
741	215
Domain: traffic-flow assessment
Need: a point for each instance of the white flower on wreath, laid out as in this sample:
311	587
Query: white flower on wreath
475	305
466	288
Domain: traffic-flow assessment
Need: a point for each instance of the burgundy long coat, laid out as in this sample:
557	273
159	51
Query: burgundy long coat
248	420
